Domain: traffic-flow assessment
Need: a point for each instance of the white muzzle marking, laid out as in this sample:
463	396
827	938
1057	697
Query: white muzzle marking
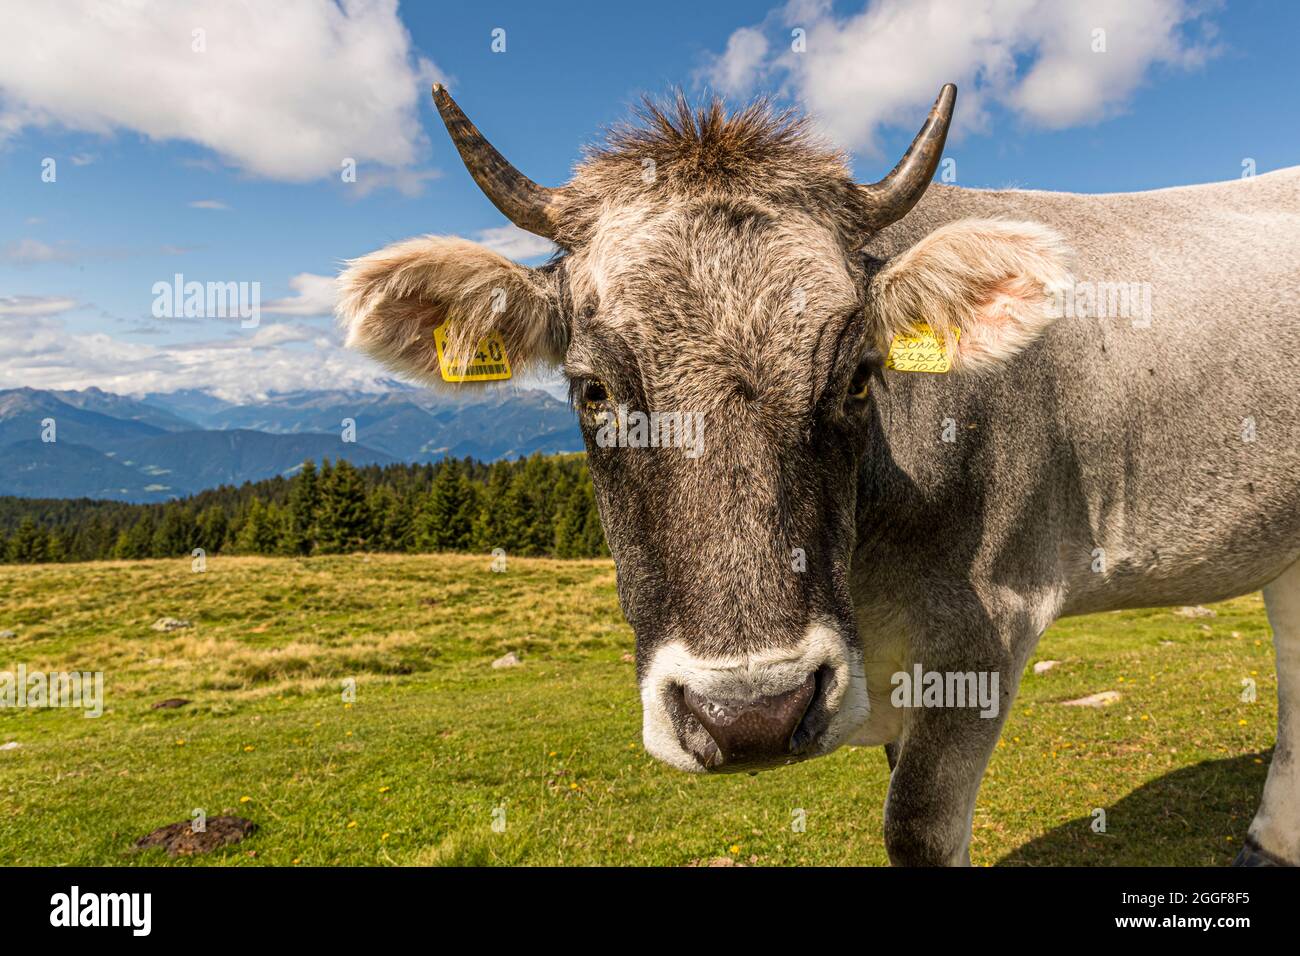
746	677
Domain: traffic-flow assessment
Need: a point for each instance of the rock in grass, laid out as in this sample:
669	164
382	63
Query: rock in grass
179	839
170	624
11	745
510	660
1104	699
1042	667
171	703
1197	611
8	633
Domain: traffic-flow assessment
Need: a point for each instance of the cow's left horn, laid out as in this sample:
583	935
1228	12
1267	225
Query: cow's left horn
894	196
526	204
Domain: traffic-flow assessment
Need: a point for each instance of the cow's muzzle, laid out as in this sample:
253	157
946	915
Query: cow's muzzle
755	710
745	734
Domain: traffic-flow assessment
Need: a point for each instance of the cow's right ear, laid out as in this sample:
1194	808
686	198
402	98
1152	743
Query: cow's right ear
391	301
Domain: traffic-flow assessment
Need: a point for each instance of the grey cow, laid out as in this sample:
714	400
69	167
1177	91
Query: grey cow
1117	428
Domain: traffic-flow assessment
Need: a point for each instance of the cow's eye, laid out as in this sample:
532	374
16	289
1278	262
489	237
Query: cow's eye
860	384
594	393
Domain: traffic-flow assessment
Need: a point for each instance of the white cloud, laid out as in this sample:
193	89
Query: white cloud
884	64
41	352
32	251
743	63
313	295
285	90
1067	86
35	305
208	204
515	243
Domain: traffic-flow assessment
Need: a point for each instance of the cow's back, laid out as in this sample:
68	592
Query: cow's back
1144	458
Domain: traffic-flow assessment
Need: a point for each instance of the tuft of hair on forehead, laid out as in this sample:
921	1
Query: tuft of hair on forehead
706	142
673	149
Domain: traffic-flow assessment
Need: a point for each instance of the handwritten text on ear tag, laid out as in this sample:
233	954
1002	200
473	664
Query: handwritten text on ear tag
919	351
489	363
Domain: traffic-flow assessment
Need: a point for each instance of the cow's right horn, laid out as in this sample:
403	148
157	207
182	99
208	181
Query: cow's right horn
894	196
526	204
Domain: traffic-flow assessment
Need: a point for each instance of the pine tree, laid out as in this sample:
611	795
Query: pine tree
262	529
519	515
447	513
56	549
399	526
137	541
568	525
578	533
210	531
537	484
344	520
30	543
490	527
175	532
93	540
382	504
304	500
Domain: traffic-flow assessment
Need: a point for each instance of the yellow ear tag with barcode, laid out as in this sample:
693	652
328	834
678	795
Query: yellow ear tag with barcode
920	351
489	363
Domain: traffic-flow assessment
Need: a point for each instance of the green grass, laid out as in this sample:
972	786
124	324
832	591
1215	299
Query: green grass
413	772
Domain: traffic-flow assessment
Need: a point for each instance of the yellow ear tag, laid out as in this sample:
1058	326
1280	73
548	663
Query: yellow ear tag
489	363
919	352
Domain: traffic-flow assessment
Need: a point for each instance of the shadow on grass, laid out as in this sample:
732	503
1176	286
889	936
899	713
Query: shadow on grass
1196	816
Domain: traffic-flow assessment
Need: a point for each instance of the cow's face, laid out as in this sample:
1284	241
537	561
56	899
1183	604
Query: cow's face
720	332
743	323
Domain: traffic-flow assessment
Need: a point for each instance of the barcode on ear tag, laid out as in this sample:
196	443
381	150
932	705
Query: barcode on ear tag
919	351
489	363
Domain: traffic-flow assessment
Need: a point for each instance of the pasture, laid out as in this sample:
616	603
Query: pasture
438	745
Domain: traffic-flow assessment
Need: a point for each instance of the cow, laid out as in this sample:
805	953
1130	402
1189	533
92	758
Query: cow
928	434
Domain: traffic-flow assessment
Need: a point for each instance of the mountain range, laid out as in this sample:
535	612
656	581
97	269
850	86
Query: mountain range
162	446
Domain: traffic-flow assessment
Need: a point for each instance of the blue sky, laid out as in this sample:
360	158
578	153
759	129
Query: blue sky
222	163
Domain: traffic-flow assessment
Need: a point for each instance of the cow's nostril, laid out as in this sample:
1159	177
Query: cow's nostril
752	731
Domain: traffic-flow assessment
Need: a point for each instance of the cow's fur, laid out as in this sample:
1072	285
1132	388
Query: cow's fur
721	265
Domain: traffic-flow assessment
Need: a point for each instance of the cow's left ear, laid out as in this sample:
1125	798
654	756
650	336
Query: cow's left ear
992	280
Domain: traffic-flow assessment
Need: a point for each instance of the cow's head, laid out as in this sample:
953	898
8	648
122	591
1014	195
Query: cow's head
711	272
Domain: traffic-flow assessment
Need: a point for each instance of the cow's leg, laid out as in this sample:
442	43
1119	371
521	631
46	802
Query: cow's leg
1274	835
931	803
